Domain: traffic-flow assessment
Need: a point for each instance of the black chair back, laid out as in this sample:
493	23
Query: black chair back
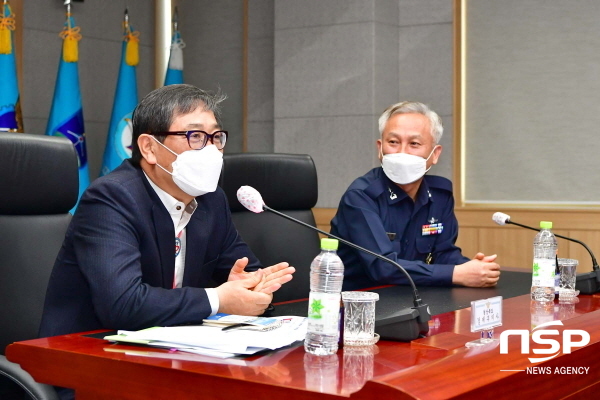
39	183
287	183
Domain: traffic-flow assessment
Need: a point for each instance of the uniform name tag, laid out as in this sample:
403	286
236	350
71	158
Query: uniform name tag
432	229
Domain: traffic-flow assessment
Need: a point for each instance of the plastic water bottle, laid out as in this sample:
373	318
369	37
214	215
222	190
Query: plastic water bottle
545	248
326	277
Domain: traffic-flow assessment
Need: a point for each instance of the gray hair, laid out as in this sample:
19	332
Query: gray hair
156	111
413	107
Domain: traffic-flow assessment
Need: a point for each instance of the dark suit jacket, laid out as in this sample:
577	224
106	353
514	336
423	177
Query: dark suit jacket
116	265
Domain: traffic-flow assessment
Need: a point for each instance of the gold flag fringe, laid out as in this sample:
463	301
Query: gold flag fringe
132	51
70	36
7	24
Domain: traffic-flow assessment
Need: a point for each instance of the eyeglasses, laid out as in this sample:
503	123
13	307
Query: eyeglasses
198	139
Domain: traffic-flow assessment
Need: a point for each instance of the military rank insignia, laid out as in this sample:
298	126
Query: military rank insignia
432	229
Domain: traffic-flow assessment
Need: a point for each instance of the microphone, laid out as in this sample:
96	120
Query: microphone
403	325
587	283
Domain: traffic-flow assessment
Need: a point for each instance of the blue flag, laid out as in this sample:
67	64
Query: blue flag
66	114
118	143
175	68
10	115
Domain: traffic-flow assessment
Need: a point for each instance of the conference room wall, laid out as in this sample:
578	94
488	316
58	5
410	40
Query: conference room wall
318	73
260	66
213	32
339	63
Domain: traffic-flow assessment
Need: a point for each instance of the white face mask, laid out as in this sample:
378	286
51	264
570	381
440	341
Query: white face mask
196	172
404	168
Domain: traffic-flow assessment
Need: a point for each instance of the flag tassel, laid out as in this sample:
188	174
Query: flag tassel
5	42
132	52
7	24
71	36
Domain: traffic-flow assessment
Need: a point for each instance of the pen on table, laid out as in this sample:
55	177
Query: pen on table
230	327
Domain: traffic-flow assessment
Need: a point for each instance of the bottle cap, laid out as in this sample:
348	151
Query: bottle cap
329	244
546	224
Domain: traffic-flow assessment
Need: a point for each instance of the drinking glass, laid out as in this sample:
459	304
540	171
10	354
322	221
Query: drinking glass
359	318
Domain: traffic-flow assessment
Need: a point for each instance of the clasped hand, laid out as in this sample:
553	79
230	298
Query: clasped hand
481	271
269	279
250	293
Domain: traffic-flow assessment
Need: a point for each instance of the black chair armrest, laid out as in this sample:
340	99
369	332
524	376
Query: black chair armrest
16	374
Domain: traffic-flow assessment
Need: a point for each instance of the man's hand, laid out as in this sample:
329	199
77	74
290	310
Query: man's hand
237	297
273	277
237	271
481	271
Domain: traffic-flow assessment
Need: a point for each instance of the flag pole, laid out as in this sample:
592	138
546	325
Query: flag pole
174	72
175	18
162	40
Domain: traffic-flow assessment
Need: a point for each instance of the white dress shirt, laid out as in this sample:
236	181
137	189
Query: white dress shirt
181	215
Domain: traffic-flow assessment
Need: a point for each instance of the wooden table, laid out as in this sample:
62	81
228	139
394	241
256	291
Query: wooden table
435	367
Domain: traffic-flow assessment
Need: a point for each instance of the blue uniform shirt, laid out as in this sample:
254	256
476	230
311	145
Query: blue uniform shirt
376	214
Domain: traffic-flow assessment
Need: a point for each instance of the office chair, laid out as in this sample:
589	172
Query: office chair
287	183
39	183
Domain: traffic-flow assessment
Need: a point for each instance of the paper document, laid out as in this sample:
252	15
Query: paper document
213	341
242	322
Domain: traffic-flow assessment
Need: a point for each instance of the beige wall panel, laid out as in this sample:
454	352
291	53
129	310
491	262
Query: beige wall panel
323	217
513	246
590	238
582	219
468	241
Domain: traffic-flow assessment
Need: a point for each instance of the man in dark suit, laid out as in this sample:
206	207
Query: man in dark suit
152	243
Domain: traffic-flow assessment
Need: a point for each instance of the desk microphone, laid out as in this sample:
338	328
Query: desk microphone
587	283
404	325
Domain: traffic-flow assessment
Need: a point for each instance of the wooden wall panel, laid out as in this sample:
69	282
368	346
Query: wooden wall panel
583	219
590	238
513	246
323	217
468	241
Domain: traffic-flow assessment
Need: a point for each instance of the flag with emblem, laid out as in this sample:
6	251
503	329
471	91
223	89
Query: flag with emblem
174	73
10	110
118	142
66	113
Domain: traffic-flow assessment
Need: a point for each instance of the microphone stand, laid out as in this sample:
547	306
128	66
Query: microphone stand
587	283
403	325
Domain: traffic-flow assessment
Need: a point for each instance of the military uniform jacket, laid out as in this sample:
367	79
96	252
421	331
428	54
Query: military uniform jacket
376	214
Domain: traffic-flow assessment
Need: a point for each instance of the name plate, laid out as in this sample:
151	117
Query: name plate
486	314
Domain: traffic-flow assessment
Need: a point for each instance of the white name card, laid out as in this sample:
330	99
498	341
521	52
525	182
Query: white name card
486	314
